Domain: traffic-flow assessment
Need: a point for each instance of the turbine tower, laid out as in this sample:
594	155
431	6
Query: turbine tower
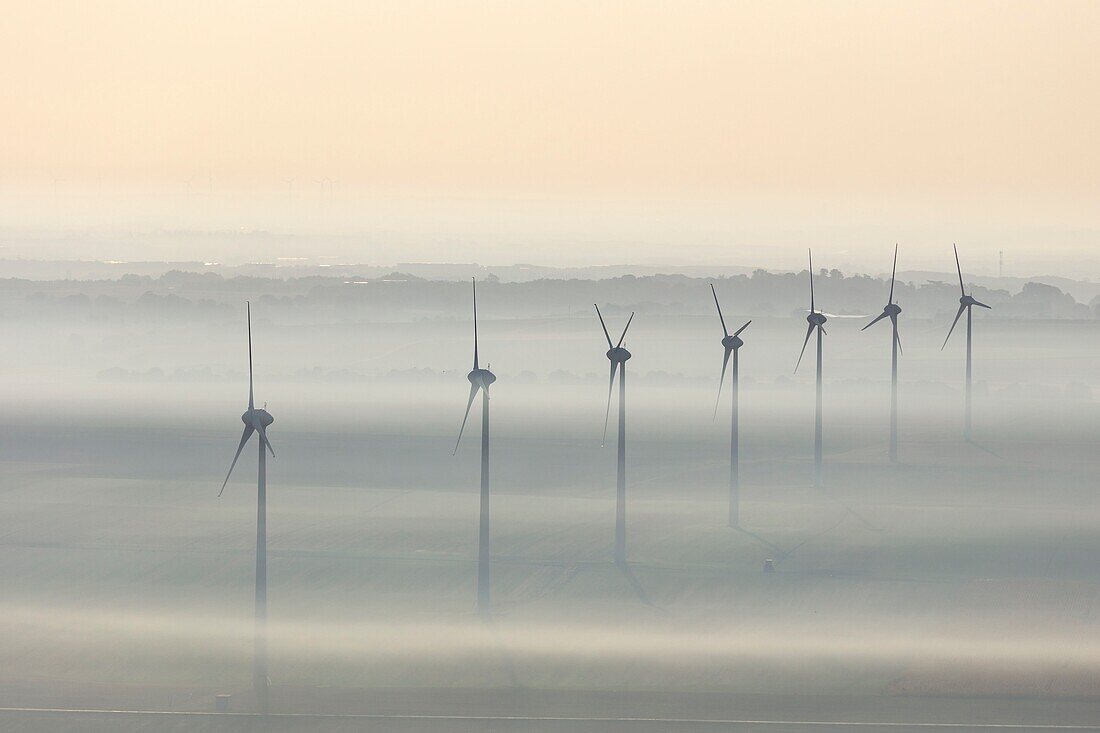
891	311
816	321
480	379
966	303
257	421
618	356
731	344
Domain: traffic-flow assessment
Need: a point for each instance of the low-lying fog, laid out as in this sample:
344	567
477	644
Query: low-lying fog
966	569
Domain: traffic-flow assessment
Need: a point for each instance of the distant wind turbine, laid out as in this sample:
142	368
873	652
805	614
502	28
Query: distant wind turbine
618	356
257	421
816	322
891	311
731	344
966	303
480	379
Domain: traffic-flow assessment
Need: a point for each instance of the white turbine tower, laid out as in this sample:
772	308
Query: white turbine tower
257	421
480	379
732	344
891	311
817	322
618	357
966	303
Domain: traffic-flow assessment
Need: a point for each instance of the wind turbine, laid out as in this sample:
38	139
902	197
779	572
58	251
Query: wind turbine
257	421
891	311
731	344
816	322
480	379
618	356
966	303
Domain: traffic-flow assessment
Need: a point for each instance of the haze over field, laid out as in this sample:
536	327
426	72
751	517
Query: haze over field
966	569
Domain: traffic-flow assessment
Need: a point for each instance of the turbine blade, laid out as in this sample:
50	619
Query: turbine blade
627	328
802	353
982	305
720	318
959	268
878	318
823	330
893	273
248	312
897	338
469	403
244	439
725	361
606	335
953	324
263	436
738	331
812	310
474	283
607	413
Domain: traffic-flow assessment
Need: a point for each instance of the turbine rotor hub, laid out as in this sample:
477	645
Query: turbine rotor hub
732	342
892	310
816	319
618	354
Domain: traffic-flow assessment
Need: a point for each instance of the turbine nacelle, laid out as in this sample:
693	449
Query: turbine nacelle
968	300
732	342
481	378
618	355
257	418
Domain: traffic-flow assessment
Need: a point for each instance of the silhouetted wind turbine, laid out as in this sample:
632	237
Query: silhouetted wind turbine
817	321
618	356
731	344
966	303
257	421
891	311
480	379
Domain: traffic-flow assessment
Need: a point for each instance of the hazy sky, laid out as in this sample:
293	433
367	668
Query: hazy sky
757	123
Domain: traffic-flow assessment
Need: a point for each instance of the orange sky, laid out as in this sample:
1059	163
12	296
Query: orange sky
558	94
924	103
